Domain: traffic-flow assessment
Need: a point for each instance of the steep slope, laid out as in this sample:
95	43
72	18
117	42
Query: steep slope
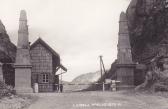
148	27
7	48
87	78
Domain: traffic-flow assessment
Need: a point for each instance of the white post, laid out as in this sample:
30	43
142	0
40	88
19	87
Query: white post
36	90
103	86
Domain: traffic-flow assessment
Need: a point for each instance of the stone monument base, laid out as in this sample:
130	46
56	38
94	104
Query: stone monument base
125	74
125	87
23	90
23	79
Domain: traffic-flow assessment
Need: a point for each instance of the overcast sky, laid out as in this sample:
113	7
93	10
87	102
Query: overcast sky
79	30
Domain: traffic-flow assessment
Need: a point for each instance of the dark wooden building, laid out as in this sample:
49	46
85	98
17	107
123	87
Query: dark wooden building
45	63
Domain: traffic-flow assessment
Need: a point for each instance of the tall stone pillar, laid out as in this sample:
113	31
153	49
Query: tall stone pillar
125	66
22	64
1	72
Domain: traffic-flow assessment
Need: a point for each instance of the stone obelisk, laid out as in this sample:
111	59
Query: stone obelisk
125	65
22	64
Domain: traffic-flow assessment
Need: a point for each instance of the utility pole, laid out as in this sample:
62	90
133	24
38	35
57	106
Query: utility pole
101	67
101	71
61	85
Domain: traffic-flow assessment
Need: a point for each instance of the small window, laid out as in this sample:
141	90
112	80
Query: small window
45	78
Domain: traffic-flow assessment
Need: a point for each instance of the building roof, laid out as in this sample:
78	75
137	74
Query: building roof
39	40
55	54
63	68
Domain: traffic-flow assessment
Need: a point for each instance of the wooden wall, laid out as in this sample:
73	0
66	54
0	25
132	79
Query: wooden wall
42	63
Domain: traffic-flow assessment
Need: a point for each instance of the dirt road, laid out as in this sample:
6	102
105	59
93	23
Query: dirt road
99	100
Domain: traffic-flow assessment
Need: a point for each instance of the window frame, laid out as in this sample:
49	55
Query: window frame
45	78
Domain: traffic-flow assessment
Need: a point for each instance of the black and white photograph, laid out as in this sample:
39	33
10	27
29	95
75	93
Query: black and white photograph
83	54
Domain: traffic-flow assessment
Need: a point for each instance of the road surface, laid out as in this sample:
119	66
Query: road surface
99	100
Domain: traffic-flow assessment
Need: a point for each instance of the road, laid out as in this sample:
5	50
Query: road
99	100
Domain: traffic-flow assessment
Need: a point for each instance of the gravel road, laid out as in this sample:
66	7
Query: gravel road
99	100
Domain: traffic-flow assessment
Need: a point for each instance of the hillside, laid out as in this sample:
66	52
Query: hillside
7	48
148	30
148	27
87	78
83	81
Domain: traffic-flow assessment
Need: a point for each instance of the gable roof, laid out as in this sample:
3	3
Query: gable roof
39	40
55	54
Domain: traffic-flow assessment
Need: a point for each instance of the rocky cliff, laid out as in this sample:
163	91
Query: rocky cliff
148	27
7	48
148	30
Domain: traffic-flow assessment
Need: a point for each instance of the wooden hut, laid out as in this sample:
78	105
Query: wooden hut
45	63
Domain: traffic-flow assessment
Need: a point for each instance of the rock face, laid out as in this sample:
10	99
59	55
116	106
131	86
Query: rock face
7	48
148	27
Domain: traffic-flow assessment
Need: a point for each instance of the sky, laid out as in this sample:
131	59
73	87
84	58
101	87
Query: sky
79	30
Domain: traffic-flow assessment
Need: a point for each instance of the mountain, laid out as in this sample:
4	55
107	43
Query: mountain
63	82
83	81
87	78
148	28
7	48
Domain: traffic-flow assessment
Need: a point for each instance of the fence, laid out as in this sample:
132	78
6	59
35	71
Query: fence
88	86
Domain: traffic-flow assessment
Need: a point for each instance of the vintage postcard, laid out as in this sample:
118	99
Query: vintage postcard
83	54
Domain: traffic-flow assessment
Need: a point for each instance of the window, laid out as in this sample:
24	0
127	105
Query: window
45	78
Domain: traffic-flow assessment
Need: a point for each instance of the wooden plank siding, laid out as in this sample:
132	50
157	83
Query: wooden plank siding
42	63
